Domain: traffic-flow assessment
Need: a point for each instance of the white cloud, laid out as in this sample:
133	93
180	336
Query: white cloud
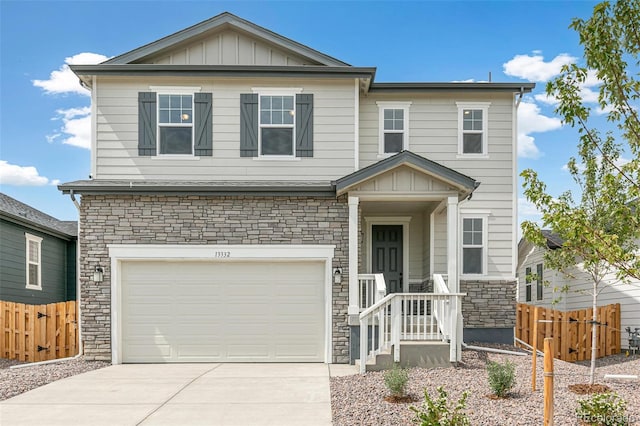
12	174
63	80
581	167
530	120
534	68
527	208
76	127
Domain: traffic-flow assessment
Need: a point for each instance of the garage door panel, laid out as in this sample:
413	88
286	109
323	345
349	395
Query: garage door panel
227	311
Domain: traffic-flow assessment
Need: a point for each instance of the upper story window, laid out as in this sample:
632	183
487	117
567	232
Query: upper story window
472	128
394	127
34	262
539	281
175	124
277	125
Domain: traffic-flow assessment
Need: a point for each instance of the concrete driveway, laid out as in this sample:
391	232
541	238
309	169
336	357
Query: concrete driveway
181	394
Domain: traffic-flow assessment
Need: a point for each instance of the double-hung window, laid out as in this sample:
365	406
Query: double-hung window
175	124
34	262
394	127
528	284
539	281
473	245
277	125
472	128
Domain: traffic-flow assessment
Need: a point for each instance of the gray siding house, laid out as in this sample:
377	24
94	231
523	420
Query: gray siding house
253	199
37	255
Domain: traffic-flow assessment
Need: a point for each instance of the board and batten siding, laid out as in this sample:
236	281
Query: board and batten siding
117	133
228	48
58	283
580	290
433	134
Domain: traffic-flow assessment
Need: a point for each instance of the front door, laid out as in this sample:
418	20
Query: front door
386	258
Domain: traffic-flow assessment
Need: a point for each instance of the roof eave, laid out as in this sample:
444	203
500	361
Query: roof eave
452	86
30	224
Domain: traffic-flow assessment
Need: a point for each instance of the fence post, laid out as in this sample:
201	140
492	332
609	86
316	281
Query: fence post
534	360
548	381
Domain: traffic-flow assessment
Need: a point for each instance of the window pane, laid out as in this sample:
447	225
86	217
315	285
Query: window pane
398	114
276	102
392	142
467	225
539	281
277	141
472	260
175	140
265	117
33	251
528	275
288	117
164	116
164	101
287	103
174	116
33	274
175	101
472	143
528	295
388	114
186	101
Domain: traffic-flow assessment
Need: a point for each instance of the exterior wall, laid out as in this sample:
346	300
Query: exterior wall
228	48
129	219
116	101
489	310
54	267
433	133
580	288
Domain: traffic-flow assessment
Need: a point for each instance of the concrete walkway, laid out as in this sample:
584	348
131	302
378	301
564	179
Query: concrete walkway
181	394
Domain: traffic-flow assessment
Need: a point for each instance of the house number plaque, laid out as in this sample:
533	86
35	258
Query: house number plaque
221	254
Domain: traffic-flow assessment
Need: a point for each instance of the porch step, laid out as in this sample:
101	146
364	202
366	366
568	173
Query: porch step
425	354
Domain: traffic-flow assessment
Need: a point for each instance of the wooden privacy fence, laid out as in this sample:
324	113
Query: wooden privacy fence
571	330
38	332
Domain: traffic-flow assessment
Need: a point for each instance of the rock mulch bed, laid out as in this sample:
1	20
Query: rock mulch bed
14	381
360	399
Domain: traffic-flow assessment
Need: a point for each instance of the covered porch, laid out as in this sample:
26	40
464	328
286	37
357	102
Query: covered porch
404	247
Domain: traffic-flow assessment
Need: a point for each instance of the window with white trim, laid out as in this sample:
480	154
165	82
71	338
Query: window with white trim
394	127
473	245
539	282
175	124
34	262
472	128
528	284
277	125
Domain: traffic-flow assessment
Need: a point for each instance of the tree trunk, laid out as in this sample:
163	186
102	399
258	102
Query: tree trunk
594	335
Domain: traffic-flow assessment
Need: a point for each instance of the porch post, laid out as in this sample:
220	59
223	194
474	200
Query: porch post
452	244
354	305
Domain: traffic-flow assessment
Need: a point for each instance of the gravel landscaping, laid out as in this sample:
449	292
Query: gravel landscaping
359	399
14	381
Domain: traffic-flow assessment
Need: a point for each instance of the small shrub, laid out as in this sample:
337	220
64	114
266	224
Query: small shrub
603	409
502	377
438	412
396	381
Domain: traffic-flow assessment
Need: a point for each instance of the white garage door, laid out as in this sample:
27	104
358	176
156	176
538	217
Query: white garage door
251	311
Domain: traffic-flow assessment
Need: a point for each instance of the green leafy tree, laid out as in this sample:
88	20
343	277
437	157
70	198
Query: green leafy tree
600	227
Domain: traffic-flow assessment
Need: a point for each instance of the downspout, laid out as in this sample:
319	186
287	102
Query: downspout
498	351
78	292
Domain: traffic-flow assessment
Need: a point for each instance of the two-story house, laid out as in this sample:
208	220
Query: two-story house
246	190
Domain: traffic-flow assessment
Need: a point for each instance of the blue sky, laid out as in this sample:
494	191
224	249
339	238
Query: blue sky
43	112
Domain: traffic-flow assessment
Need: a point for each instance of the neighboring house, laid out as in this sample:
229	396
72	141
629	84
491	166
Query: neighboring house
242	184
37	255
541	286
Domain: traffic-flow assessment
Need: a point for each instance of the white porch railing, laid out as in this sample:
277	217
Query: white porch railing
371	289
407	316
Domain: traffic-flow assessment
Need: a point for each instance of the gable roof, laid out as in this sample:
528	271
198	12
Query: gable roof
220	21
466	184
553	240
16	211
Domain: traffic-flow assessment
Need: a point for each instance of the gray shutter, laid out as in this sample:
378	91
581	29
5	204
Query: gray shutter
304	125
203	124
248	125
147	123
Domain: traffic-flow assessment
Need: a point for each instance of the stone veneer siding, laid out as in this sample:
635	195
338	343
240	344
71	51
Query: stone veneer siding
192	219
489	304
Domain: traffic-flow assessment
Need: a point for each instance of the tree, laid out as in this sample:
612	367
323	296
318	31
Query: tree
600	229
